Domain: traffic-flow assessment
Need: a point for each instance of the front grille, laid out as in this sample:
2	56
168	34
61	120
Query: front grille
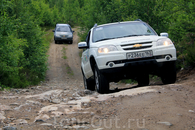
63	35
134	48
143	45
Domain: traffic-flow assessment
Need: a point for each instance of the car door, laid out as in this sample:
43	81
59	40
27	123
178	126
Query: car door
86	59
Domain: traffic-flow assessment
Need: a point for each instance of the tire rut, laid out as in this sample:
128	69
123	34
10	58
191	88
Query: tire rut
64	62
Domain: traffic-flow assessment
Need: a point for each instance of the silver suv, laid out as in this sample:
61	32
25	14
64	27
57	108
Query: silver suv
126	50
63	33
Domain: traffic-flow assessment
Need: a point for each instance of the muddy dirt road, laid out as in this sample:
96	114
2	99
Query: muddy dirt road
61	102
64	62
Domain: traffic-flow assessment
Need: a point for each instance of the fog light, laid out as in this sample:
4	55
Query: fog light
167	57
111	64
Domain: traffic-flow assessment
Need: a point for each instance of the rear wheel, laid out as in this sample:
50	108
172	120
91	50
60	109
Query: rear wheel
88	83
143	79
101	83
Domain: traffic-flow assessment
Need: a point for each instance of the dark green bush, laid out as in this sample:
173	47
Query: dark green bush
22	52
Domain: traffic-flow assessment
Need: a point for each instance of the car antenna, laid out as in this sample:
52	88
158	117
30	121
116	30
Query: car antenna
118	20
95	25
138	20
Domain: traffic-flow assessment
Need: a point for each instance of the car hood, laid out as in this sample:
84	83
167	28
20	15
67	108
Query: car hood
128	40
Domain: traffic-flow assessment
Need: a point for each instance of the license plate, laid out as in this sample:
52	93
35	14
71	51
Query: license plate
63	37
134	55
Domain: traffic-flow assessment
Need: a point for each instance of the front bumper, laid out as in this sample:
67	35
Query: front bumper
119	58
115	66
63	39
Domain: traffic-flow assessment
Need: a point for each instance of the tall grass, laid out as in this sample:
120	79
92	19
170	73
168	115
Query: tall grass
48	37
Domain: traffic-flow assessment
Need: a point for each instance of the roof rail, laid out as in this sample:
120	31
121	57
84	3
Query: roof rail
138	20
95	25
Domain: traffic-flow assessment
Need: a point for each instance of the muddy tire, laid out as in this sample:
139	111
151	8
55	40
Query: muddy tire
143	79
101	83
88	83
169	74
71	42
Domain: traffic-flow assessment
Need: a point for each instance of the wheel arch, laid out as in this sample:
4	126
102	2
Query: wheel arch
92	62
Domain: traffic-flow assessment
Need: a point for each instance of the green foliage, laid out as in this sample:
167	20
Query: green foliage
42	13
69	70
11	53
182	30
128	81
64	53
190	58
22	52
47	37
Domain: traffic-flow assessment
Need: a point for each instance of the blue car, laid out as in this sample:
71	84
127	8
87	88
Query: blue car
63	33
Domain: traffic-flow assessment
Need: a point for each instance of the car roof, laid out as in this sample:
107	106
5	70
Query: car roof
60	24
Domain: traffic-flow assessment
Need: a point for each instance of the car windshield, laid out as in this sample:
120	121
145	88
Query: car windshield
121	30
62	29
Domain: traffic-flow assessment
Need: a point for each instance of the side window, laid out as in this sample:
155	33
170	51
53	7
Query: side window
88	38
70	28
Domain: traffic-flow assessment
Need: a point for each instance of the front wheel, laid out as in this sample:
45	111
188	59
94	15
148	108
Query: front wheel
143	79
88	83
169	74
56	42
101	83
71	42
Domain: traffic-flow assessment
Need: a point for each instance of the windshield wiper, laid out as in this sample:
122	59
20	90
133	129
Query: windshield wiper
137	35
104	39
127	36
146	34
131	35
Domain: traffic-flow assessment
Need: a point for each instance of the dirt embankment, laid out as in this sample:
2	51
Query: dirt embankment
62	103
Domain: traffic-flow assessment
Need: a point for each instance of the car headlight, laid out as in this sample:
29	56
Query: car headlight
106	49
57	35
70	35
164	42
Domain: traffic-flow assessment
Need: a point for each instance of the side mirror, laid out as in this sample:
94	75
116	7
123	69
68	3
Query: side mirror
72	31
82	45
53	30
164	34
